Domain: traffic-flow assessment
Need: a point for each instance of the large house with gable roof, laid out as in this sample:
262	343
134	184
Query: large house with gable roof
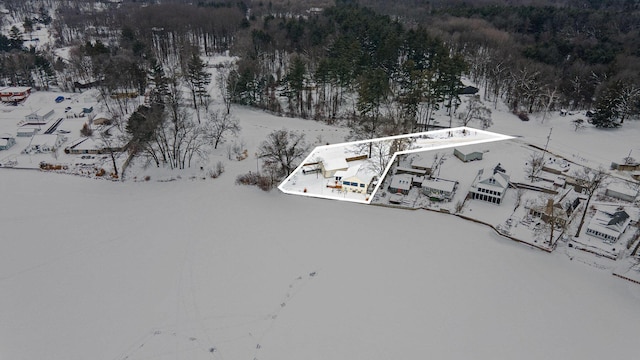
490	188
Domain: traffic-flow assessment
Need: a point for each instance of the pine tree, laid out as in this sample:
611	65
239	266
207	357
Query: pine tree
198	78
607	109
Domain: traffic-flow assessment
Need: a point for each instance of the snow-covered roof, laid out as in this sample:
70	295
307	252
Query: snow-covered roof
621	188
610	223
4	142
439	184
351	171
465	150
41	112
14	89
27	130
498	180
44	140
402	182
88	144
102	115
422	163
331	164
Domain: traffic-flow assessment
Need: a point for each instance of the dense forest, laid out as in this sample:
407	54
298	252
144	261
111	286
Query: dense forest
384	67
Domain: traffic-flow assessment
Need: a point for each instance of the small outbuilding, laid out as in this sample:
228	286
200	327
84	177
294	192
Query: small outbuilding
622	192
6	142
467	155
332	165
27	131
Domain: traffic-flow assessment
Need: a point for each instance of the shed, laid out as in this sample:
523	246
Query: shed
621	191
331	166
27	131
468	90
6	142
467	155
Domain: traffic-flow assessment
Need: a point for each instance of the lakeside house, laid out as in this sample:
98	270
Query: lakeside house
14	94
400	184
439	189
609	222
490	188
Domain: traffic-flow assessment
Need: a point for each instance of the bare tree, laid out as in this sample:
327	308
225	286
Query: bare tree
554	219
550	98
218	125
590	180
476	110
281	150
112	145
534	165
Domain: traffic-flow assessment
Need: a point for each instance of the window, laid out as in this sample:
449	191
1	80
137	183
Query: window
346	183
361	185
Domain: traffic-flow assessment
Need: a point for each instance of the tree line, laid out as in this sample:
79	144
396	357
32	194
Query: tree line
347	63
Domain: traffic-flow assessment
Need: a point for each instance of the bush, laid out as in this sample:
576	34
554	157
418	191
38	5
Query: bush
263	182
217	171
86	130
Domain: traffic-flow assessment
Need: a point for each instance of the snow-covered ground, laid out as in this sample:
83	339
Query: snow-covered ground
204	269
160	270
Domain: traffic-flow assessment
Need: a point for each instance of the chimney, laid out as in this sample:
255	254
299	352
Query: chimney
549	207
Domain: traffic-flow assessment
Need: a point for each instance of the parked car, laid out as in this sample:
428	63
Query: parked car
60	99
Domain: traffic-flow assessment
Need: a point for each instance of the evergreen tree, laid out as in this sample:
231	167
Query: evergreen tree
607	111
198	78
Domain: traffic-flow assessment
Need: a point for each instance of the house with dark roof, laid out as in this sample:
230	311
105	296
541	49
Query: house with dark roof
609	223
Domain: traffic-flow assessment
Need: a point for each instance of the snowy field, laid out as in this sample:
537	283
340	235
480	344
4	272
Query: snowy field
205	269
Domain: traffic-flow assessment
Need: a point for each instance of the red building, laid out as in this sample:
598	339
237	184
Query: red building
14	94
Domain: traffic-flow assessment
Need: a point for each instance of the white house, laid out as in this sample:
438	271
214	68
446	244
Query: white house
401	184
439	188
609	222
354	179
40	116
491	188
621	191
331	165
43	143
